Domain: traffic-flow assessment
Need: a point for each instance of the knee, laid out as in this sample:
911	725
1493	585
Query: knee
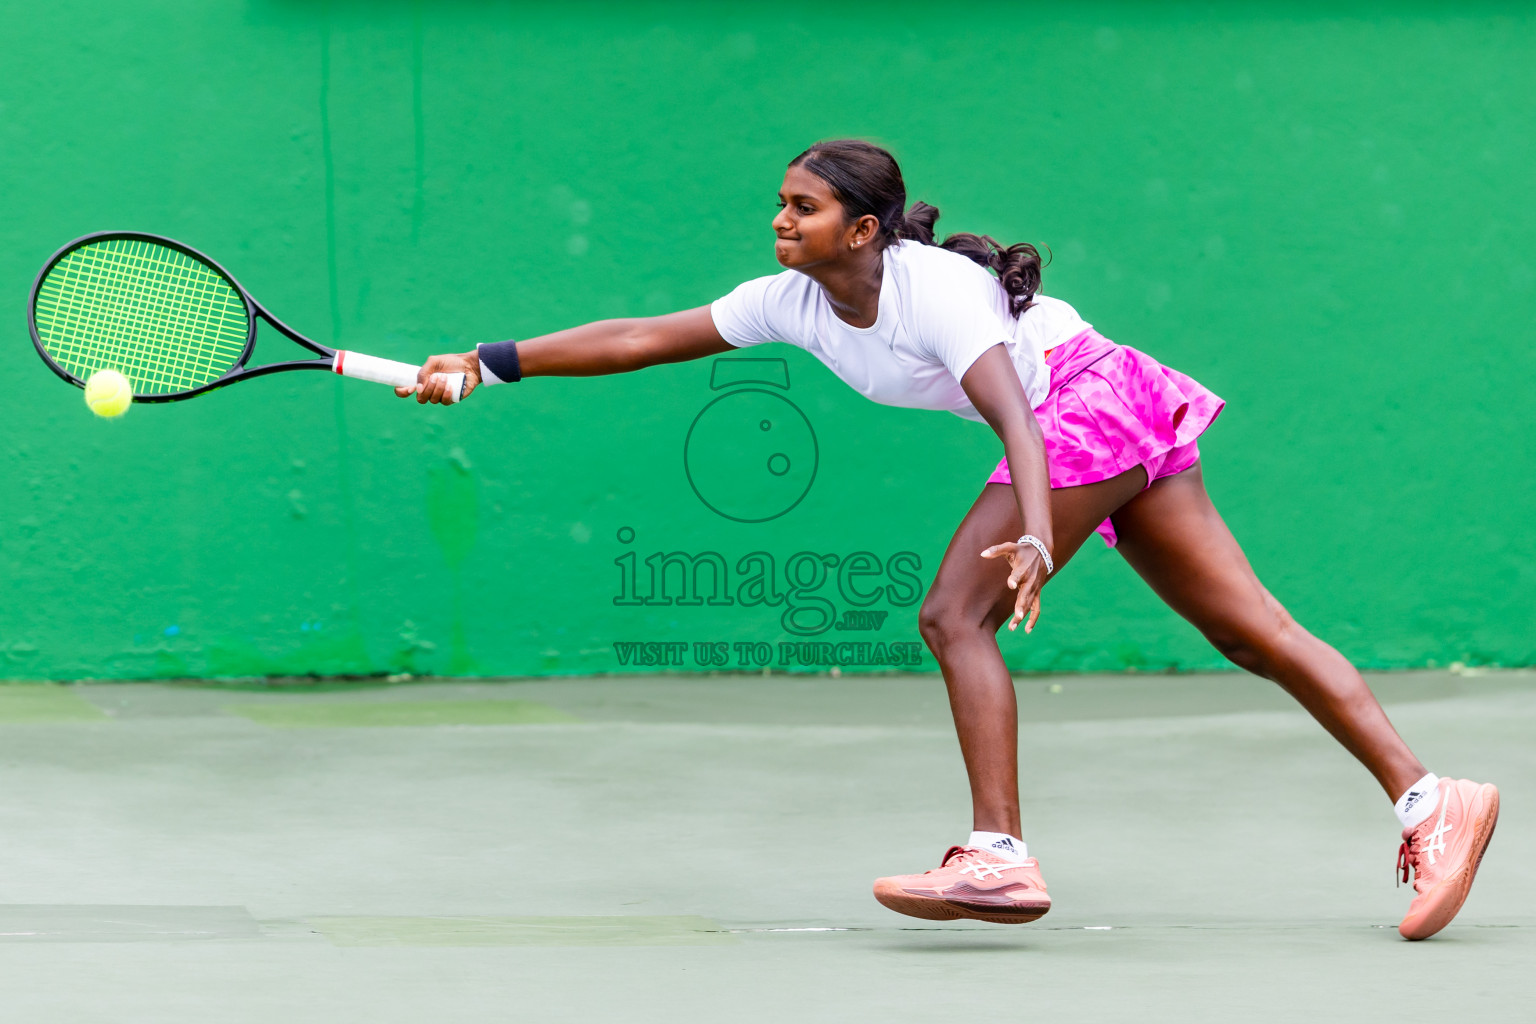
942	621
933	619
1259	644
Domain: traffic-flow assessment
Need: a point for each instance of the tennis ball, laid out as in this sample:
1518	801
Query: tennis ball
108	393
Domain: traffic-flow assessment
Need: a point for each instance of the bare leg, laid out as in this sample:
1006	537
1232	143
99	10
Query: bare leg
1174	538
967	604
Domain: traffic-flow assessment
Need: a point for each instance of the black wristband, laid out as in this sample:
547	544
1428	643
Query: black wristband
500	357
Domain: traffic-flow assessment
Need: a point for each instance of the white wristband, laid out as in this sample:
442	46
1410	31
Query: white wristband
1039	545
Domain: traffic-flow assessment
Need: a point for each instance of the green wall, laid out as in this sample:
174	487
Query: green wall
1324	212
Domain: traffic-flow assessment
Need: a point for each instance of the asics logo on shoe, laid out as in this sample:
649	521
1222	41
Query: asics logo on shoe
1435	842
985	871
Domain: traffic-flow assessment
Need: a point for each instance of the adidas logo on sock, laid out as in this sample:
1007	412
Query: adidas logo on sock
1005	844
1411	799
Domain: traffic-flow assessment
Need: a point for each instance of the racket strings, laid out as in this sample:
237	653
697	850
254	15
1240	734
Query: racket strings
166	321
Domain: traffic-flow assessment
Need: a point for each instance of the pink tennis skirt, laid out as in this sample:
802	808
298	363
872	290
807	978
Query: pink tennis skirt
1112	408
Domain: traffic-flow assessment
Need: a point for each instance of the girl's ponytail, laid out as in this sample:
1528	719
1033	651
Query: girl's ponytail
918	223
1017	266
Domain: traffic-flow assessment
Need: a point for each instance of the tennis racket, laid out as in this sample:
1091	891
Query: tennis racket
168	318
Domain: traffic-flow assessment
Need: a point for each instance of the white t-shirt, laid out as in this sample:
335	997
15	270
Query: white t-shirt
938	313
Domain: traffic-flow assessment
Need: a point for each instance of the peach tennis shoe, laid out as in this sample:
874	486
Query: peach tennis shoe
969	883
1443	851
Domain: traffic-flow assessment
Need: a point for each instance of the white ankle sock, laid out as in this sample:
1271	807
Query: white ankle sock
1419	802
1000	843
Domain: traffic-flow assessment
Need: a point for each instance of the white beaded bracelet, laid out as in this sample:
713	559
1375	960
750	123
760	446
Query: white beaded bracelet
1039	545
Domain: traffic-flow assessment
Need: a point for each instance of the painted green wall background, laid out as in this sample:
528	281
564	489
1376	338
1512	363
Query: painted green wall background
1324	212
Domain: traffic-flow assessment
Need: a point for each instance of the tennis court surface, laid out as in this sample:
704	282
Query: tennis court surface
700	849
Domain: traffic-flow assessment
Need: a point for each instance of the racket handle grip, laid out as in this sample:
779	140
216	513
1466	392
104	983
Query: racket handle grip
388	371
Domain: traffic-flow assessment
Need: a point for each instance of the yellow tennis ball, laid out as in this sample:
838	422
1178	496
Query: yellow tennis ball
108	393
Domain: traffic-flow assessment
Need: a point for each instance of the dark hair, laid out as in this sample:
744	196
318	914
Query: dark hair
867	181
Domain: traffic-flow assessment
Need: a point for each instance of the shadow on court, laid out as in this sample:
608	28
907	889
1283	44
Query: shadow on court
682	848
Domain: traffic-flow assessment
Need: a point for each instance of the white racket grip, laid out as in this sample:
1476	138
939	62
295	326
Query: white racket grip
388	371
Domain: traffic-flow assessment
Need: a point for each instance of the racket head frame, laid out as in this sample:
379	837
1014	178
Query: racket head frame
253	311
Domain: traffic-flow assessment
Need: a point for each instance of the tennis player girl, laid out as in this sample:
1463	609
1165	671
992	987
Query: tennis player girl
1097	437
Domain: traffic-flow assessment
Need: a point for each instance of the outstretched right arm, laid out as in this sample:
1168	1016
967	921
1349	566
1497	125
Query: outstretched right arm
591	350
